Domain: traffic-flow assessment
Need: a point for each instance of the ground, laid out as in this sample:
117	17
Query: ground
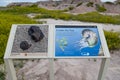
70	69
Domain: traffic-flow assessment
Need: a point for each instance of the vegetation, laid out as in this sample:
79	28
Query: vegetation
90	4
71	8
26	10
63	16
17	15
19	64
109	2
80	3
88	17
59	14
2	72
2	75
113	40
6	20
100	8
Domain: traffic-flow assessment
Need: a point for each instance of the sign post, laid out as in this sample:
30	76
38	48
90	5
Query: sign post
60	42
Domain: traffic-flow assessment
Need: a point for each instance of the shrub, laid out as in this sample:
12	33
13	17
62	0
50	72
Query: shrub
113	40
80	3
34	5
43	16
71	8
100	8
98	18
109	2
90	4
6	20
2	75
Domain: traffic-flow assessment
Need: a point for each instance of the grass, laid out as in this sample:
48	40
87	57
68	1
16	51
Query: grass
100	8
6	20
59	14
2	75
2	72
17	15
71	8
113	40
88	17
109	3
27	10
90	4
98	18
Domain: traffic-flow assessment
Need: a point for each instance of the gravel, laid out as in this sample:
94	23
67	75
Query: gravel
22	35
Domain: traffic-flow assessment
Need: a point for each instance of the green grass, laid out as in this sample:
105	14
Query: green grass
71	8
63	16
100	8
98	18
6	20
88	17
59	14
90	4
109	3
17	15
27	10
113	40
2	75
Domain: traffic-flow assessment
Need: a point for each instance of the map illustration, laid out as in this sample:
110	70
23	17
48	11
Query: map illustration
77	41
62	43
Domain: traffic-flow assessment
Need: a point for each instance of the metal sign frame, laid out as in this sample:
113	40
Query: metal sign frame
51	51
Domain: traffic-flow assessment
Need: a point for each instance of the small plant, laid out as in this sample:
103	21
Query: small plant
113	40
19	64
80	3
100	8
34	5
109	2
71	8
2	75
90	4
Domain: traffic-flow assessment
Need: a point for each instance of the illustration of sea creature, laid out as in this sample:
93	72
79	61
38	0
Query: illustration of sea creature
89	39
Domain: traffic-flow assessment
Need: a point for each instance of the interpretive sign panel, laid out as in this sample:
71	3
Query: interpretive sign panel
38	41
77	41
30	40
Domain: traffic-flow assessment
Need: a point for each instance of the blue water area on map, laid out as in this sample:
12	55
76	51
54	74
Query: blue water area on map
69	41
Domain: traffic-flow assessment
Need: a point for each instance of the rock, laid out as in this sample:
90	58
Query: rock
24	45
20	4
35	33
